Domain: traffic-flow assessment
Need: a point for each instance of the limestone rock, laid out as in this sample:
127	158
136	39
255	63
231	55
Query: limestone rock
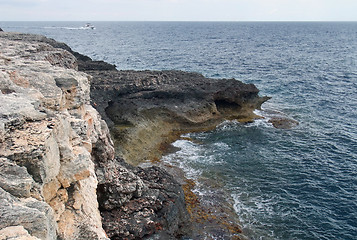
35	216
57	160
146	110
16	232
47	133
15	179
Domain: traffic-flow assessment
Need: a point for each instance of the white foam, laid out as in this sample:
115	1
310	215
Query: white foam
186	155
221	146
249	209
264	122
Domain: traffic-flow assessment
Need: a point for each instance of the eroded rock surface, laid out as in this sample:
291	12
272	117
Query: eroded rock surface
144	202
57	165
146	111
47	133
59	175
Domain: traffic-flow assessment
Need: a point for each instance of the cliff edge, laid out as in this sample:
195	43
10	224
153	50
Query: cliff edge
61	174
58	174
48	131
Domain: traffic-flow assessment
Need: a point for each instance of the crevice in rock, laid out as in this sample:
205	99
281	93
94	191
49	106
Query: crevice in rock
223	106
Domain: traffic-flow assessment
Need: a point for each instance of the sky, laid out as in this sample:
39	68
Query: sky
178	10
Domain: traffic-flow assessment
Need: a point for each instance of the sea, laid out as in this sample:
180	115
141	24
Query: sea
298	183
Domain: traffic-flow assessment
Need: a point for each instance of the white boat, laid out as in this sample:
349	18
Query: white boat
88	26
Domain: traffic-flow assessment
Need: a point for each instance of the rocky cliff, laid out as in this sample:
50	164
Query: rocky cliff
57	165
48	131
60	177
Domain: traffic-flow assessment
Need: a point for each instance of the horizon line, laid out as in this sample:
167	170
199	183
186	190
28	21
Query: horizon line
178	20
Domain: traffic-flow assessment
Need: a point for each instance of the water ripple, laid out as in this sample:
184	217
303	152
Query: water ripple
295	184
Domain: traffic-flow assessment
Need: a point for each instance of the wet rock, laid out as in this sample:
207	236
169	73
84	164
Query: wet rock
283	122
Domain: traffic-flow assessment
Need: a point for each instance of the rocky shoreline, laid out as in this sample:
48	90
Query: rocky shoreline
67	174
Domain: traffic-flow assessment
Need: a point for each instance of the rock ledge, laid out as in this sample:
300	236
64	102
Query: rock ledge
60	177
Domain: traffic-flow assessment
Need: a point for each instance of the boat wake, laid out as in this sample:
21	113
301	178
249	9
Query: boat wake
87	26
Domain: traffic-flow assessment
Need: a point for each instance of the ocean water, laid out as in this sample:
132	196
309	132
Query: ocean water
299	183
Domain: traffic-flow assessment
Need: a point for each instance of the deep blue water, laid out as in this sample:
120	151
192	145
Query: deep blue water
286	184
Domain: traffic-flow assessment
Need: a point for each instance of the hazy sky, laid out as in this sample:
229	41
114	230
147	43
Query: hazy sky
179	10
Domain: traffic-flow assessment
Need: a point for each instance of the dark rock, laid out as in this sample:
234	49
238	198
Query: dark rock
147	110
283	122
85	63
1	30
169	89
138	206
169	101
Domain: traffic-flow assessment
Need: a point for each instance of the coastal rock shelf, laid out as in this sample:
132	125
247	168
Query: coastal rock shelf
147	110
61	174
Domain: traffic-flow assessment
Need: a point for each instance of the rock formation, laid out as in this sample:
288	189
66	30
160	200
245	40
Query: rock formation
56	151
48	131
60	177
148	109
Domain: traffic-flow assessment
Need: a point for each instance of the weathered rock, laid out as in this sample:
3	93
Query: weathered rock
55	148
47	134
15	179
145	109
139	211
283	122
35	216
16	232
1	30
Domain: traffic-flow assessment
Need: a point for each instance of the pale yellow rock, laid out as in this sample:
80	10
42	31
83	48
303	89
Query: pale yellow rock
58	208
67	225
48	126
16	233
49	190
58	203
